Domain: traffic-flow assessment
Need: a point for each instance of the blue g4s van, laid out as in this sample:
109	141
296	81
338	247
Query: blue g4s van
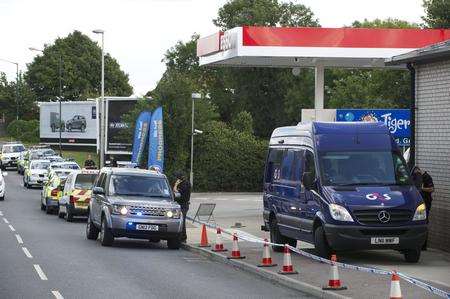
341	186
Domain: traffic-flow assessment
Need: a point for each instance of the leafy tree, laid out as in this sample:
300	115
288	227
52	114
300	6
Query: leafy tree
384	23
81	71
243	122
26	99
437	13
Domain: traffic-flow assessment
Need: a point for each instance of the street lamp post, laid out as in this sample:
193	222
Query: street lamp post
59	97
194	96
17	85
102	103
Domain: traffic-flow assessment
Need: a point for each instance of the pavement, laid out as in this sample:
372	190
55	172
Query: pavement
433	268
42	256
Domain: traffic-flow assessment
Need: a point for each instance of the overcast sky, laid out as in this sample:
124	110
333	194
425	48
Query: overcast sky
138	32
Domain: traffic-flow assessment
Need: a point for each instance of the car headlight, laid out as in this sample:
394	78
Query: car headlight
173	213
121	210
421	213
340	213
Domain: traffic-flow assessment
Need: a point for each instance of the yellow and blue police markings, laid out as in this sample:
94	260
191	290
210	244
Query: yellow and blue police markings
52	191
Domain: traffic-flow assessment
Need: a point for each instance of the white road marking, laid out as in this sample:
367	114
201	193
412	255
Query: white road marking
12	228
19	239
6	220
27	253
40	272
57	295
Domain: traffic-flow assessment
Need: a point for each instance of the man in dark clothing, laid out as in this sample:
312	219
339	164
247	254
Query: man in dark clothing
89	163
183	187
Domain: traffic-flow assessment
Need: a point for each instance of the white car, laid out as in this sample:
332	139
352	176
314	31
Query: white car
2	185
36	174
10	155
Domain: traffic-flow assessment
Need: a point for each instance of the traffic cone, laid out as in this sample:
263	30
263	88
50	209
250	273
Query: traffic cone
235	252
266	260
396	292
288	268
204	239
334	283
218	247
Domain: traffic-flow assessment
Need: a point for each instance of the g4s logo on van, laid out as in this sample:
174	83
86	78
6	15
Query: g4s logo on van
379	196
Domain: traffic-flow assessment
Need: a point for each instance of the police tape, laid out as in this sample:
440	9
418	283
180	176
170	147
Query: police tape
250	238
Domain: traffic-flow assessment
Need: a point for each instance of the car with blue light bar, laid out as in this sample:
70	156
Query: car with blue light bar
133	203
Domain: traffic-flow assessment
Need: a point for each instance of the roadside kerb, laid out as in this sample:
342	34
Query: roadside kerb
268	275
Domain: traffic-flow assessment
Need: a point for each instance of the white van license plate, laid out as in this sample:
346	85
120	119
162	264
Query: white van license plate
149	227
385	240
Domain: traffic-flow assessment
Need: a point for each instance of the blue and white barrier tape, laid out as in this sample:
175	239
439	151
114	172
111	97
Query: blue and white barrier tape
414	281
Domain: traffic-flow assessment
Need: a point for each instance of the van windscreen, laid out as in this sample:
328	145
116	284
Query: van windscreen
353	168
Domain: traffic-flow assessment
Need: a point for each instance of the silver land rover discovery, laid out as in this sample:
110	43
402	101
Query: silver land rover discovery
133	203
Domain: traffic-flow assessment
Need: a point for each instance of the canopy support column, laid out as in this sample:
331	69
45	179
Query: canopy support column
319	87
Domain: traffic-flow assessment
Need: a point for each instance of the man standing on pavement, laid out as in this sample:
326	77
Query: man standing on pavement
89	163
424	183
183	187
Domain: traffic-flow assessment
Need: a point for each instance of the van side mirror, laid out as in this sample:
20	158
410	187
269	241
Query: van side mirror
309	180
98	190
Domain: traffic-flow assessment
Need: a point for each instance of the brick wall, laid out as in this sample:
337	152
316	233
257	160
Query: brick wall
433	143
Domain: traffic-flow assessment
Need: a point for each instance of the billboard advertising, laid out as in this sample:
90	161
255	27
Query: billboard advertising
397	120
78	123
118	135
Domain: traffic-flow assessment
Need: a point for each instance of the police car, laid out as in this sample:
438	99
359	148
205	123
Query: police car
36	173
77	194
52	189
10	154
2	185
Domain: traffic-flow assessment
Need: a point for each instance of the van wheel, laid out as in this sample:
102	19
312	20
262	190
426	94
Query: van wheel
174	243
91	230
42	207
68	215
278	238
2	198
48	209
412	255
321	244
106	236
60	214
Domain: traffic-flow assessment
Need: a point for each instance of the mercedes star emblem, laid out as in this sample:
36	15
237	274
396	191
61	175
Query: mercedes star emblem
384	216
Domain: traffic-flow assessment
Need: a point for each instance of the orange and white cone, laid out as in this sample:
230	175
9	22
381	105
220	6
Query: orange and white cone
396	292
288	268
334	283
218	247
235	252
266	259
204	238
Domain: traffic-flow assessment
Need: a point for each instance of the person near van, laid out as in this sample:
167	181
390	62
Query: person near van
89	163
183	187
424	183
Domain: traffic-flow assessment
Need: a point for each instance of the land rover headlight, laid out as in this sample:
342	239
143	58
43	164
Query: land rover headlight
173	213
421	213
340	213
119	209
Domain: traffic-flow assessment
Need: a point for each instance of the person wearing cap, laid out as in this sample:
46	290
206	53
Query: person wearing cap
183	187
89	163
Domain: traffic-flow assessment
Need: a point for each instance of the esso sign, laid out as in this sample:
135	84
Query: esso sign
379	196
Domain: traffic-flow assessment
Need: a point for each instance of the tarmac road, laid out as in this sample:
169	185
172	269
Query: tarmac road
42	256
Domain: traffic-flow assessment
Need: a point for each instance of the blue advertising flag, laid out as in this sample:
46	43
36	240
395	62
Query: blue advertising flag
140	136
156	141
397	120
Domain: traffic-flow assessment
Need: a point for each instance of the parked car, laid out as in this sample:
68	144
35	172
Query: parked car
36	173
2	185
133	203
78	122
341	186
77	194
52	189
10	154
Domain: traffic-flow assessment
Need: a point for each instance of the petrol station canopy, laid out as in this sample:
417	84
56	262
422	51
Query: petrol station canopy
285	47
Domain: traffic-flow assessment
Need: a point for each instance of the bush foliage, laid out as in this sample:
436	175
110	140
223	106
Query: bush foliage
24	130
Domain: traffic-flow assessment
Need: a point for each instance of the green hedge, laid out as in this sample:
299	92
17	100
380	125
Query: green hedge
24	130
228	160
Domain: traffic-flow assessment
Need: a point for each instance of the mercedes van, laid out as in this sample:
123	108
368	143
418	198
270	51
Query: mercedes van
341	186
